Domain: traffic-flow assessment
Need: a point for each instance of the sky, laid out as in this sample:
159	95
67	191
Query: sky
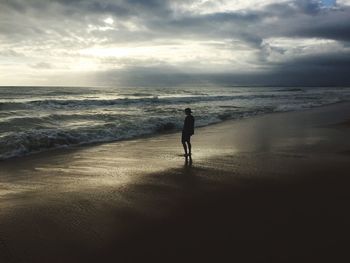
174	42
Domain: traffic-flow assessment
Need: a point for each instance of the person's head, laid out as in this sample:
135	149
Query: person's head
188	111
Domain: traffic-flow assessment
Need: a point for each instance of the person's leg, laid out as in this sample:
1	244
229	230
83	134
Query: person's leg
189	147
185	147
184	140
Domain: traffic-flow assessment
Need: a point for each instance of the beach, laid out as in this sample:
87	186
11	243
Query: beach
270	188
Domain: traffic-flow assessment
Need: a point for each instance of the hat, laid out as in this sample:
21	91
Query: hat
188	110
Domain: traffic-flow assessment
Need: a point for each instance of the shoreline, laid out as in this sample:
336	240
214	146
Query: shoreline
271	188
156	134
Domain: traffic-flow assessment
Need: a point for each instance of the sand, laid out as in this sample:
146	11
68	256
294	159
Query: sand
272	188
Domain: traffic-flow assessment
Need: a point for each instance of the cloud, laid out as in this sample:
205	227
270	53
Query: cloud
343	2
185	41
279	50
10	53
42	65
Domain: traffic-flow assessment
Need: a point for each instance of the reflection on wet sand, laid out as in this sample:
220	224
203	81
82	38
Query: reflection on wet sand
255	185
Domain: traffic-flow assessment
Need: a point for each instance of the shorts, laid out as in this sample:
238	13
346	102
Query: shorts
185	137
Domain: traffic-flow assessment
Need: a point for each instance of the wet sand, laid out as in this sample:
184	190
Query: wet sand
273	188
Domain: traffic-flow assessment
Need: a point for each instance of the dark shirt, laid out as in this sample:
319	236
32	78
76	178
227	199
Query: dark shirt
188	127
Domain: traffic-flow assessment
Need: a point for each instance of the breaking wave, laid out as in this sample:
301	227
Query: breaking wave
37	120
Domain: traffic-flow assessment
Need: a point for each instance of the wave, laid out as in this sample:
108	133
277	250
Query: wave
64	104
34	140
27	141
46	120
137	94
290	90
41	124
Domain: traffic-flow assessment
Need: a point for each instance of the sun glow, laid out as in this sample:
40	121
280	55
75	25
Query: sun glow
215	52
85	65
109	21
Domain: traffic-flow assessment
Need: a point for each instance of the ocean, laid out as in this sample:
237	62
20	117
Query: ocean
34	119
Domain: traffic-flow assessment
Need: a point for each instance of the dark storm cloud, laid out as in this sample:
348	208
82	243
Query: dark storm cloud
208	26
309	7
310	22
323	69
337	29
330	63
48	26
304	18
91	7
327	70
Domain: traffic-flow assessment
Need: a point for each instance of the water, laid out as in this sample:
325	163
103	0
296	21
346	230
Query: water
34	119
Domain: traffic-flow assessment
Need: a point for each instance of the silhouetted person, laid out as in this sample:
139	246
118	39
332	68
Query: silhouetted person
187	132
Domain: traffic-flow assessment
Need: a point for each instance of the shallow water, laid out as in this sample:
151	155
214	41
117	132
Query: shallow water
34	119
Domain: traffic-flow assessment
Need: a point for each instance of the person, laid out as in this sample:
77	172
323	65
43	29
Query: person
187	132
